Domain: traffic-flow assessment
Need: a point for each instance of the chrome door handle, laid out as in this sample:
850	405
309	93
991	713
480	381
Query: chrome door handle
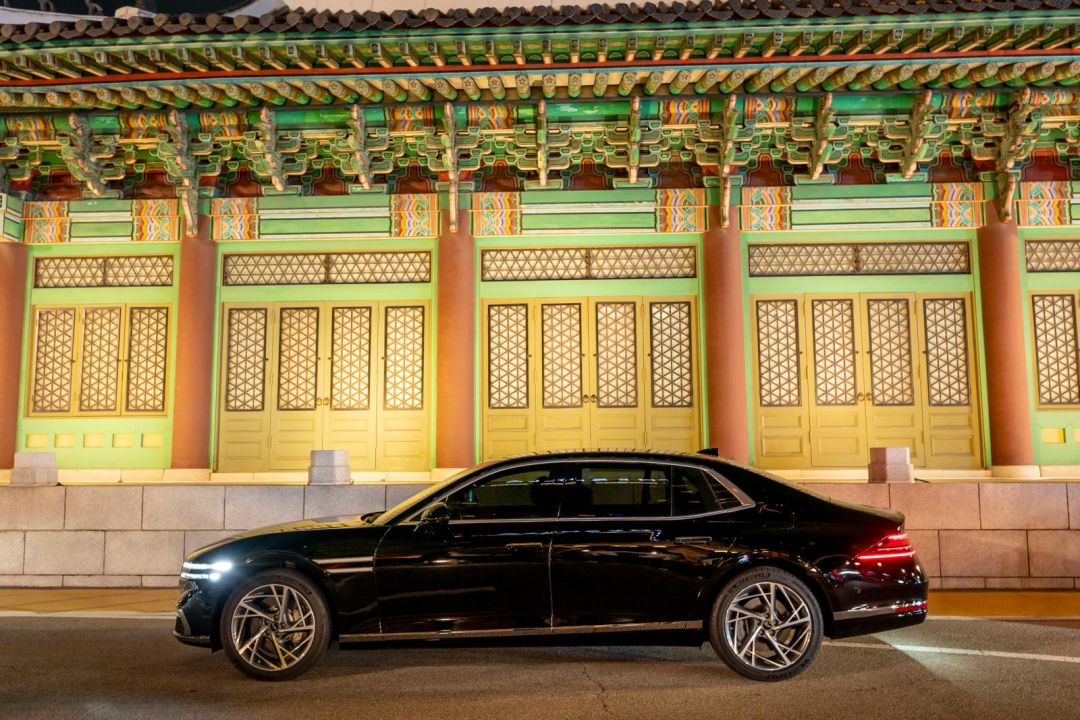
525	546
694	540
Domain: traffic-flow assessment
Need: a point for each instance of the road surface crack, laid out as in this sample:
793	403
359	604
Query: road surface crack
601	694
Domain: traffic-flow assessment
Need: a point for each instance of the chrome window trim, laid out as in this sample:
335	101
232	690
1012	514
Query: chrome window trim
745	501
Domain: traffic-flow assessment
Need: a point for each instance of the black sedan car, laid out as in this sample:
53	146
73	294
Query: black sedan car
575	546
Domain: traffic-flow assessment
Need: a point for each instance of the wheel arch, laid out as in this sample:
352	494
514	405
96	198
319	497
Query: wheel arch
274	560
798	567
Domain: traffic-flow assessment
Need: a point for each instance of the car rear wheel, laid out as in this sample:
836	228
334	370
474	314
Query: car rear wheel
766	624
275	625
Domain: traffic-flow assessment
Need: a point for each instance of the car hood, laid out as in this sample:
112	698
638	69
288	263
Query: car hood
340	522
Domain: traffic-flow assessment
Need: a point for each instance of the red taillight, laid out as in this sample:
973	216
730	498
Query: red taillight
890	547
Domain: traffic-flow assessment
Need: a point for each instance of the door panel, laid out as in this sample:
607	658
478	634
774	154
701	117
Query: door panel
894	403
882	370
563	420
599	373
295	418
617	411
952	416
837	415
335	376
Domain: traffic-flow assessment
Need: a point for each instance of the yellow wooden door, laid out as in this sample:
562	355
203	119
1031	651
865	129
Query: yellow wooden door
673	406
404	387
347	345
837	410
893	397
953	434
296	417
562	417
615	383
781	415
243	409
508	416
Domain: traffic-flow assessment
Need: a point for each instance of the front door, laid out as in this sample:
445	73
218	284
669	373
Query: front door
590	373
337	376
839	374
486	570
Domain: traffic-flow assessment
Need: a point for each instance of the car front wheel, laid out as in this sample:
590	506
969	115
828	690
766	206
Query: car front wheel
766	624
275	625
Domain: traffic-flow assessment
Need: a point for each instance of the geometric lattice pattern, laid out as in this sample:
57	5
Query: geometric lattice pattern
298	358
275	269
335	268
1053	255
508	356
113	271
245	374
834	351
350	364
54	350
616	354
778	353
604	263
561	348
891	378
404	382
947	375
148	341
99	381
930	258
1057	351
672	355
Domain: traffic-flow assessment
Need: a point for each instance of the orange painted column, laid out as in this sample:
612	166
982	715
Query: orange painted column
13	274
725	338
456	342
192	399
1008	408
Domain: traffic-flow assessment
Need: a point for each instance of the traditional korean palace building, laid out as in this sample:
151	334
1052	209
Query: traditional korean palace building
789	229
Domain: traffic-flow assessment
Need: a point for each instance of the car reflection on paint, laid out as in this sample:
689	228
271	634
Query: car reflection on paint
572	547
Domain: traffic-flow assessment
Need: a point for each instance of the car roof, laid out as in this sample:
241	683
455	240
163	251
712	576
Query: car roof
613	453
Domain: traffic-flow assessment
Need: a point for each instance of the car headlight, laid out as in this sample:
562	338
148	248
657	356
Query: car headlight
205	571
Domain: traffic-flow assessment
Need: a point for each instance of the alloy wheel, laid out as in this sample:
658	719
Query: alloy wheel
273	627
768	626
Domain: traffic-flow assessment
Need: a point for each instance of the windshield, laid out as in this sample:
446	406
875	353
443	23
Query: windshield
404	506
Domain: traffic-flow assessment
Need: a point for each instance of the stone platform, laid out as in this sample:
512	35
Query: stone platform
992	535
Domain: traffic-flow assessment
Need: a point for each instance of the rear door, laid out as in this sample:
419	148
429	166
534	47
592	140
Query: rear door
637	540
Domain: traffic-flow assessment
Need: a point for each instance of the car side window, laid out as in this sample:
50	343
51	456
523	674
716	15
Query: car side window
522	493
618	490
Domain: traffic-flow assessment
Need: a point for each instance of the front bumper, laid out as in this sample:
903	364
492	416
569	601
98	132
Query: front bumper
194	615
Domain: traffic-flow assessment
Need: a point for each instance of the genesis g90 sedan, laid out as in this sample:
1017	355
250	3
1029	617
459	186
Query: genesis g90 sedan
575	546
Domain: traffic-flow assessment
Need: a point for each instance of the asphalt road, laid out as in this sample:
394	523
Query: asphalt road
106	669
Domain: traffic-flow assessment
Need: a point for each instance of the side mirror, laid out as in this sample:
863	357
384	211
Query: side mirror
435	517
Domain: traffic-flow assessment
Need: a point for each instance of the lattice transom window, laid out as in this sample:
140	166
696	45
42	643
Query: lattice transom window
671	351
1056	348
100	360
328	268
104	271
903	258
603	263
1052	255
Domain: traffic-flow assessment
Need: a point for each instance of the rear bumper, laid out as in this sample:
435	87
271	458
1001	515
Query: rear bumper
869	619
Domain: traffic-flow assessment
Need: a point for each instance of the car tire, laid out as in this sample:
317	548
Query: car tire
275	625
758	643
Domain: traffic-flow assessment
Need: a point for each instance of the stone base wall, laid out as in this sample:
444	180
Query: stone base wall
968	535
130	536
